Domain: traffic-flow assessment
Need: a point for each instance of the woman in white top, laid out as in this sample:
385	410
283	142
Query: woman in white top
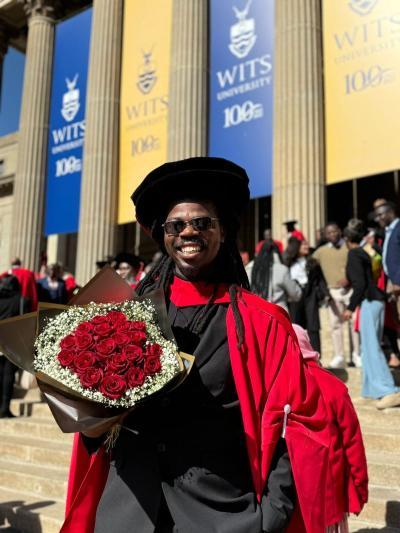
306	272
271	280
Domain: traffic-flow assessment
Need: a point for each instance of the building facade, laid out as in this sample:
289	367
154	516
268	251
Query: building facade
301	189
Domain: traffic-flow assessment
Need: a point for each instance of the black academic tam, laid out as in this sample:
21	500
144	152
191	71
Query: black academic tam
211	179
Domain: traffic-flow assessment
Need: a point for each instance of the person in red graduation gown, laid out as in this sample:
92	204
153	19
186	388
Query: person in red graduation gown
242	445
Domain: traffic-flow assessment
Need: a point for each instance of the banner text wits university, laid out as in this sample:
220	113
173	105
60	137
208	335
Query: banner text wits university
67	124
362	87
241	92
144	95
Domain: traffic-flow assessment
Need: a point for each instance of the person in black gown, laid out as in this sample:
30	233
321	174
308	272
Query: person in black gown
180	463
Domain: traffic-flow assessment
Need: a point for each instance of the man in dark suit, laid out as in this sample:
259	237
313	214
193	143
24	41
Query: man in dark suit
386	216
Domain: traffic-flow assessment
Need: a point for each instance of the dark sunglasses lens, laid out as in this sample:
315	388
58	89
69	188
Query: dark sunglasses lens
174	227
201	223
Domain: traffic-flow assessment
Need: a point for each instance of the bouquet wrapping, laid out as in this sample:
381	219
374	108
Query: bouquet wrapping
101	355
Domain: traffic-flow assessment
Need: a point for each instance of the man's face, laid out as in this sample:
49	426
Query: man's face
384	215
193	251
332	233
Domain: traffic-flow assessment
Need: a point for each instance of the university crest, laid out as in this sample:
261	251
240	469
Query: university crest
362	7
242	33
70	101
147	77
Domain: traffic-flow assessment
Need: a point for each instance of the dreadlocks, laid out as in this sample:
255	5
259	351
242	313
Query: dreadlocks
230	270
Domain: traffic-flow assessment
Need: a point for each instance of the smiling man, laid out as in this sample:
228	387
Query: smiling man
224	451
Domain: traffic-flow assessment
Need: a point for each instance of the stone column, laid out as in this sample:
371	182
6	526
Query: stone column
188	80
27	220
299	167
98	211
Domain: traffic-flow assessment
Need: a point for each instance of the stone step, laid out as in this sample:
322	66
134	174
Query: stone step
369	415
34	451
378	439
359	526
37	409
34	427
24	513
384	469
45	482
352	377
383	507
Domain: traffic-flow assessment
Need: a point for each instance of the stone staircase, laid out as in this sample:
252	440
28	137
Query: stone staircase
381	433
34	458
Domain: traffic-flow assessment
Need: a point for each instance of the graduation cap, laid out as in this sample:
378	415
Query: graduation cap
290	225
102	263
125	257
210	179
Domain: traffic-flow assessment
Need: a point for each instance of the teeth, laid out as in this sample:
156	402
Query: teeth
190	249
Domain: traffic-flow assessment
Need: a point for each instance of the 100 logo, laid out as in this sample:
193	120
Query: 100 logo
360	80
245	112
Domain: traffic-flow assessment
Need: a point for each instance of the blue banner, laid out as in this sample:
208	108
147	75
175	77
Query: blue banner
241	91
67	124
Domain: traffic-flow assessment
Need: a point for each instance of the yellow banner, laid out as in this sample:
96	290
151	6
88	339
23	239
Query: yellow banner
362	87
144	95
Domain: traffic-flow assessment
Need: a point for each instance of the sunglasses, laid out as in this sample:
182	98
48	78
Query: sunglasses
175	227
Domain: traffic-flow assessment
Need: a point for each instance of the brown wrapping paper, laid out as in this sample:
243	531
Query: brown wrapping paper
72	412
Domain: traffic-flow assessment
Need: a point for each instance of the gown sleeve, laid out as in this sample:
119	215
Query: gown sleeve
279	496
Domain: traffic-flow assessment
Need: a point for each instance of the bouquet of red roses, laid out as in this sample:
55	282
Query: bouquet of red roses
99	356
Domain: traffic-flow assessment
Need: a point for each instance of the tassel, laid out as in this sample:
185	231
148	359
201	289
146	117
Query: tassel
112	437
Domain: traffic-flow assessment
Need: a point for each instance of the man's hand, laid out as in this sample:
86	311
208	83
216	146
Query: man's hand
343	283
346	315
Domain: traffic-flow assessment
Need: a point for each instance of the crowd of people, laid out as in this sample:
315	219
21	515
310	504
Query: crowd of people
355	273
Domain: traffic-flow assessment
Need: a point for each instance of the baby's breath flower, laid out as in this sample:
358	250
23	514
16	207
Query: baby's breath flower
48	342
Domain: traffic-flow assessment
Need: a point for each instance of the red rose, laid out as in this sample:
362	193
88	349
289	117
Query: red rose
91	377
66	357
135	377
137	337
118	362
98	319
134	353
113	386
123	327
84	360
116	317
85	327
154	350
152	365
68	342
106	346
103	329
83	341
136	325
121	339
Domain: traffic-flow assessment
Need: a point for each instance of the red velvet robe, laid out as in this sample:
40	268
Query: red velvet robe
269	374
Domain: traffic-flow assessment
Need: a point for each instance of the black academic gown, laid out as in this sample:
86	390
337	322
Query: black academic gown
180	463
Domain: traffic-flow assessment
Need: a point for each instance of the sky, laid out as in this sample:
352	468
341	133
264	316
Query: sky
11	91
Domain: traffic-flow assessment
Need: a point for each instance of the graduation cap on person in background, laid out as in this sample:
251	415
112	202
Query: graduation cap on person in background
125	257
290	225
102	263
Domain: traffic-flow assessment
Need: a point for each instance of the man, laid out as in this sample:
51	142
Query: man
52	288
27	281
226	449
386	216
333	258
